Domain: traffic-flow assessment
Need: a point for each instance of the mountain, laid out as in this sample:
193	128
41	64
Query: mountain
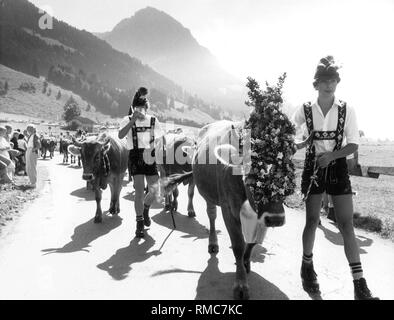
80	62
165	44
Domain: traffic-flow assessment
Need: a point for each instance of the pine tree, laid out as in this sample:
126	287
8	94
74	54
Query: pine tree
88	107
6	86
34	70
45	86
59	95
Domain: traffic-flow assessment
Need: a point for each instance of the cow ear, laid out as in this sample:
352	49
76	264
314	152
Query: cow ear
74	150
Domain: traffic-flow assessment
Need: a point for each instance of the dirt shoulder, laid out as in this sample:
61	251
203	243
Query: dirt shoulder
15	198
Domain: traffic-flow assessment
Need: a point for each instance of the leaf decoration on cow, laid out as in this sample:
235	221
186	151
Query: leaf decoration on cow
272	172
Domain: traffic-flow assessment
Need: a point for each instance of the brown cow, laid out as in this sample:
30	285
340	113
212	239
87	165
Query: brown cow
104	161
219	186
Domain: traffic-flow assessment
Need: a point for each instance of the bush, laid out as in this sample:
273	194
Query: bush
27	87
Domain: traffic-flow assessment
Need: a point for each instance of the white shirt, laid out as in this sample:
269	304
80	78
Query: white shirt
3	145
22	144
143	137
30	141
328	123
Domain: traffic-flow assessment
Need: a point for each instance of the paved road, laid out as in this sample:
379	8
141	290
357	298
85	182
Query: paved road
55	251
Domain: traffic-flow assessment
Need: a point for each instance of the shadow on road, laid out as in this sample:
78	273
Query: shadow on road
216	285
185	224
119	265
131	197
336	238
83	193
87	232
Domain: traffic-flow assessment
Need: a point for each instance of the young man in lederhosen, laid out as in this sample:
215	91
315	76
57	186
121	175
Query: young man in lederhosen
335	136
141	130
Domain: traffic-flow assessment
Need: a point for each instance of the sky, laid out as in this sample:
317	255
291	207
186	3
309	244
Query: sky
264	38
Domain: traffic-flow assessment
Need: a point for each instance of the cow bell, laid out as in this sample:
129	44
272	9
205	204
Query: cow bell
253	228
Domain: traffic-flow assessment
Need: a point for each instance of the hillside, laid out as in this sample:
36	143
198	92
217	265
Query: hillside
37	105
79	61
170	48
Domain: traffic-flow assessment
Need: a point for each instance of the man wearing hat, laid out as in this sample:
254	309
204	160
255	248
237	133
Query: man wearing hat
333	125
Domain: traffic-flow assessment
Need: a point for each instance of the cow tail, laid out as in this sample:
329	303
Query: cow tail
171	182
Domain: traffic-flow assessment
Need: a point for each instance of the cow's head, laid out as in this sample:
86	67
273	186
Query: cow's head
92	153
255	214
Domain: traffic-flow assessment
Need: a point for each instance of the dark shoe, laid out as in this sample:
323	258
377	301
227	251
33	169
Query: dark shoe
361	291
147	221
309	278
331	214
139	233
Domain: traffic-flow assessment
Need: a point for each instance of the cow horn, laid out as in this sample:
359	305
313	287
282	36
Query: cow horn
76	143
220	158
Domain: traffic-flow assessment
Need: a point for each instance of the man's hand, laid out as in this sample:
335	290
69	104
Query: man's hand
324	159
138	115
306	142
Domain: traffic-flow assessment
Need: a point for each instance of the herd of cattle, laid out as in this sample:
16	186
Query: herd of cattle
105	161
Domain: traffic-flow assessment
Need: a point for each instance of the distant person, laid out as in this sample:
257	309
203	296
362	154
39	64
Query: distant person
14	139
7	167
141	130
335	136
22	147
8	133
33	145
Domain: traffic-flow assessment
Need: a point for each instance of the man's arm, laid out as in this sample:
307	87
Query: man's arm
325	158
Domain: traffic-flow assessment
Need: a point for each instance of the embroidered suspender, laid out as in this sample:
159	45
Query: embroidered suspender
135	130
152	131
336	135
340	125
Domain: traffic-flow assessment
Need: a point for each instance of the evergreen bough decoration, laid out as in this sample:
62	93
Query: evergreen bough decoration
272	174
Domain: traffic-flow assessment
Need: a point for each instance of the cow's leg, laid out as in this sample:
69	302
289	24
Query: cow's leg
99	214
248	251
115	187
190	193
118	188
233	225
112	203
174	204
168	199
213	246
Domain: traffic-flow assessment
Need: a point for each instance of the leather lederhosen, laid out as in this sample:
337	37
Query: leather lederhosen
334	179
137	165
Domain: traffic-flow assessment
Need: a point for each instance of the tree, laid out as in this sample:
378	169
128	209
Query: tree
49	92
34	70
88	107
71	110
59	95
44	88
361	133
6	86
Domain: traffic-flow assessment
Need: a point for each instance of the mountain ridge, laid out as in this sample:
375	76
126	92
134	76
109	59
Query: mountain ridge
161	41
